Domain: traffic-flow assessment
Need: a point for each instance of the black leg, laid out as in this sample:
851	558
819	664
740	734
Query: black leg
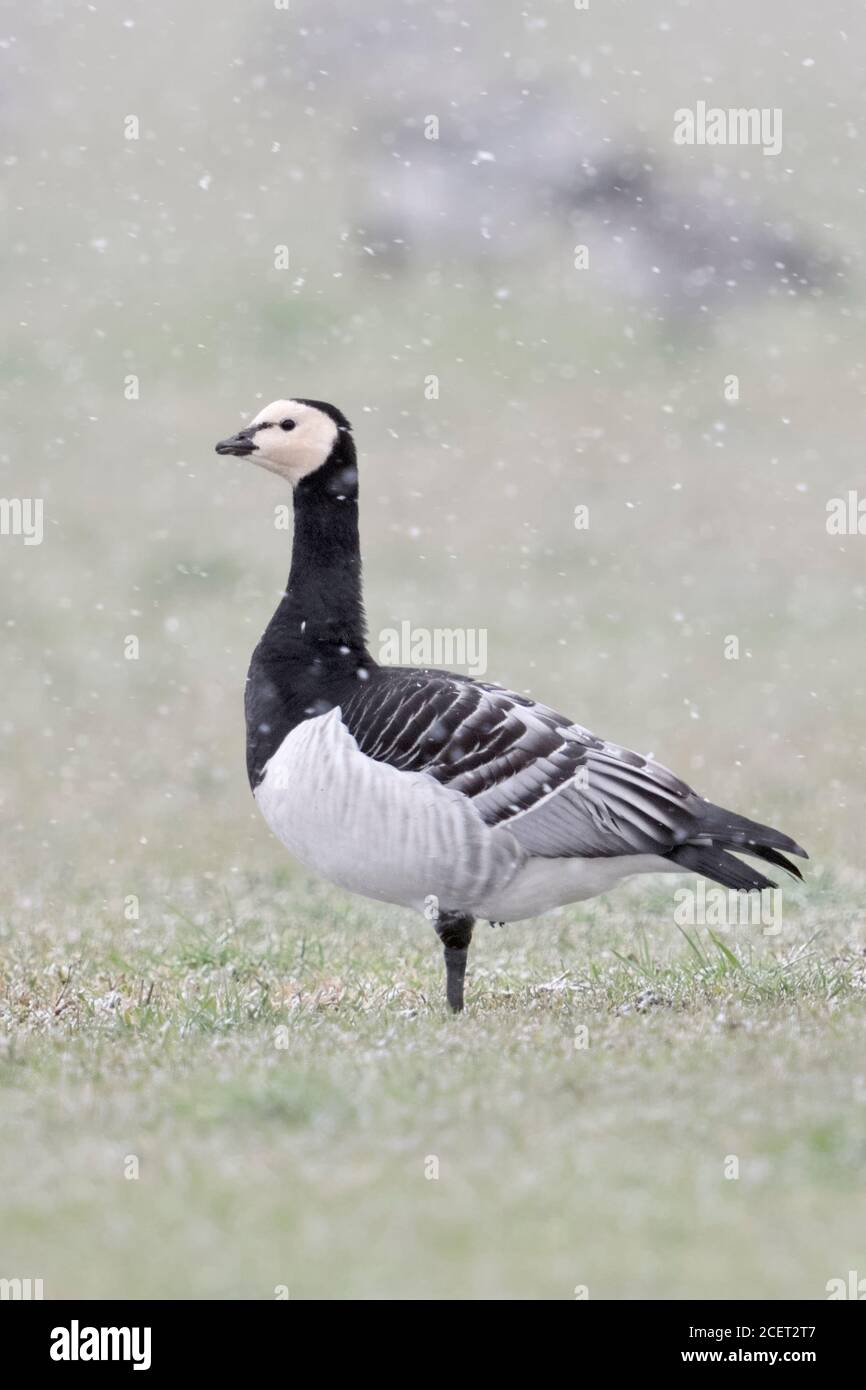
454	930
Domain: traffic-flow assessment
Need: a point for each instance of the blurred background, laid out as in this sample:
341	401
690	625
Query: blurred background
210	205
557	387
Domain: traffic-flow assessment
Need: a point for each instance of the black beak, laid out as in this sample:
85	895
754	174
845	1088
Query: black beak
239	444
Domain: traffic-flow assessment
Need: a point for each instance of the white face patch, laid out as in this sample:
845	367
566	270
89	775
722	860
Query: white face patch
294	449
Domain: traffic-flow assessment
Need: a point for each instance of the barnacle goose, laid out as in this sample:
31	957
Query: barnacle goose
418	787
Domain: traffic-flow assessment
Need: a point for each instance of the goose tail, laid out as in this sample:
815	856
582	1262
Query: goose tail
721	835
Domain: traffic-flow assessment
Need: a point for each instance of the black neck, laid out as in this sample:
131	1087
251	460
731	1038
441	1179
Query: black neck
322	607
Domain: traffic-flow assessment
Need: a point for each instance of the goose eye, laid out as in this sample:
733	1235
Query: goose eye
287	424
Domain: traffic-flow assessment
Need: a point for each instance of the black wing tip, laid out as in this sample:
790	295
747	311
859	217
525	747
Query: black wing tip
767	854
720	863
743	835
783	863
778	842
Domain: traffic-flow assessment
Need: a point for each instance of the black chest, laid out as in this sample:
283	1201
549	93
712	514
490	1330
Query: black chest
286	687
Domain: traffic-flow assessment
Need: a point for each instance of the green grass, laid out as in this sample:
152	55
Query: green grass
284	1071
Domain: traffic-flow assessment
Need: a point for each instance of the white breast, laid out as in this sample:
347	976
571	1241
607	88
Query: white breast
400	837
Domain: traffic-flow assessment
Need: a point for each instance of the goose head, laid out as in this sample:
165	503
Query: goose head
292	438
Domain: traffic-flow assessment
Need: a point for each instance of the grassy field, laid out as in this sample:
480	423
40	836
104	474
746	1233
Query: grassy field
177	999
302	1112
